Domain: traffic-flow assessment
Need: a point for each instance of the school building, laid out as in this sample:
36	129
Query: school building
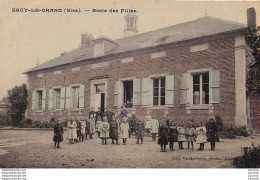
193	70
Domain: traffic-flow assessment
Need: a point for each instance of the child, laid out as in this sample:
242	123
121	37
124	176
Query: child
173	135
201	136
212	133
82	129
190	134
114	130
181	135
58	134
98	125
92	127
139	131
124	129
104	130
78	131
163	137
72	132
148	123
154	127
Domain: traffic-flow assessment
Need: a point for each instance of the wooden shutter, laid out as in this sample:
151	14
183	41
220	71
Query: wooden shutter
214	84
81	96
50	99
145	91
169	90
67	98
116	93
62	97
184	89
44	99
136	92
33	100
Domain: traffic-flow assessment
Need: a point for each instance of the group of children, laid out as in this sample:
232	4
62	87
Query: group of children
111	126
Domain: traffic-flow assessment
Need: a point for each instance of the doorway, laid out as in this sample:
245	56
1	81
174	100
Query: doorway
98	95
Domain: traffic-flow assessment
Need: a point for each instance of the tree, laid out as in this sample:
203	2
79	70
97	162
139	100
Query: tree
17	98
253	76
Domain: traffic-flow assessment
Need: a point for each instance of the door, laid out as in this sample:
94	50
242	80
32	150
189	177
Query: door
102	102
97	101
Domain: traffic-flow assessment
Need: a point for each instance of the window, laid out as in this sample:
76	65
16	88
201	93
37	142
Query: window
75	97
57	98
128	93
201	88
159	91
39	100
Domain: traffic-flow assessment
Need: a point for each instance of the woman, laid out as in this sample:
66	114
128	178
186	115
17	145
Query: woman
114	130
201	136
181	135
104	130
139	131
173	135
124	129
92	127
58	134
163	137
72	131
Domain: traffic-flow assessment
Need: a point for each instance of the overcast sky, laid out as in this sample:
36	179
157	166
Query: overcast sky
26	36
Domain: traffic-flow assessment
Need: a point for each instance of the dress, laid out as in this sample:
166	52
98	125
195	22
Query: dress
124	127
114	130
83	127
173	134
148	122
181	134
133	124
92	127
104	130
109	115
211	131
201	135
98	126
163	135
93	113
190	134
154	126
139	130
87	127
72	131
58	131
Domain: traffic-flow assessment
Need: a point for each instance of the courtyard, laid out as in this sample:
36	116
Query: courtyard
34	149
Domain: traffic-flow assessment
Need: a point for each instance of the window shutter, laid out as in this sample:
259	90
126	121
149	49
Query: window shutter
169	90
184	89
136	92
62	97
67	97
43	99
50	99
116	93
81	96
145	91
214	84
33	100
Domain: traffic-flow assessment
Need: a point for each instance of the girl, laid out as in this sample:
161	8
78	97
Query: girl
98	125
173	135
82	129
124	129
72	131
212	133
148	123
104	130
181	135
114	130
190	135
92	127
163	137
201	138
139	131
58	134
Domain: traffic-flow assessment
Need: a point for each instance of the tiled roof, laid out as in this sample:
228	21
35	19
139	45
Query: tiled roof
205	26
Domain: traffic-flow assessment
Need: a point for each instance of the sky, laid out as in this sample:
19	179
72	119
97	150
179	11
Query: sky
28	37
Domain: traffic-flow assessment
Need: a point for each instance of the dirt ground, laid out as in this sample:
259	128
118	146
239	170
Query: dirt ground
34	149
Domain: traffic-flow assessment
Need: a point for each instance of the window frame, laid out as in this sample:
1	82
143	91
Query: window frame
156	76
72	93
54	98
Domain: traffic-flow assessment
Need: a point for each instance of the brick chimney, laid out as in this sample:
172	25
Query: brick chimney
251	18
86	40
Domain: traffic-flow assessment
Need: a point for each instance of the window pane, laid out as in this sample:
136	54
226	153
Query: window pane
163	82
162	100
162	91
205	88
205	78
156	83
155	101
196	79
196	88
156	92
205	98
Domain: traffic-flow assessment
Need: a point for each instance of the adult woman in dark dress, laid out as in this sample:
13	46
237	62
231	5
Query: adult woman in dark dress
58	134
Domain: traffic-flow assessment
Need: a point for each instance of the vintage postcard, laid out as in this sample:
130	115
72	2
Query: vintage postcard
128	84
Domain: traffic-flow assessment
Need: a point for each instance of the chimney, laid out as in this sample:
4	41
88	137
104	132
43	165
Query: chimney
86	40
251	18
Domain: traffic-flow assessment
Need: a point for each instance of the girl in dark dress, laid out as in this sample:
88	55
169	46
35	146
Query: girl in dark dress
114	130
58	134
211	133
139	131
163	137
173	135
